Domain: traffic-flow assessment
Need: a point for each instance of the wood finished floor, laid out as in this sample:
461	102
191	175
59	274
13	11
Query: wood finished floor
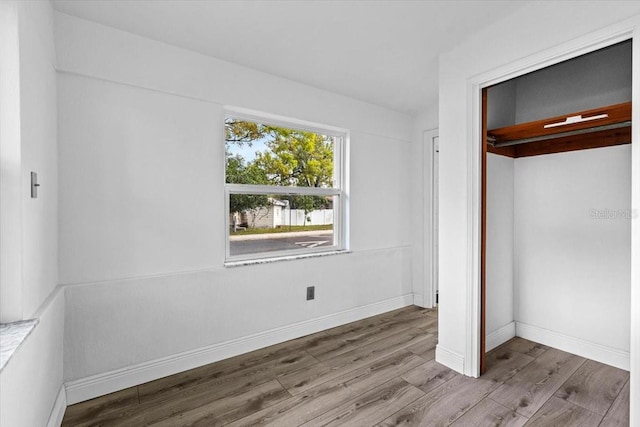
375	372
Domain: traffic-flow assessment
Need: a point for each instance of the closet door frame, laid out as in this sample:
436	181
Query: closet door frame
474	349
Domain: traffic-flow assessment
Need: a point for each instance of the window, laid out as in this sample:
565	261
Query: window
284	188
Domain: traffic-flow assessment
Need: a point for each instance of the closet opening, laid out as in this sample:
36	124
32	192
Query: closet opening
555	241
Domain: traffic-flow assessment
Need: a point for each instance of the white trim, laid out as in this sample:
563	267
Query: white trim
435	218
198	270
277	120
97	385
474	227
500	336
11	166
284	258
634	399
430	269
59	407
273	189
590	350
48	301
588	43
344	162
421	198
450	358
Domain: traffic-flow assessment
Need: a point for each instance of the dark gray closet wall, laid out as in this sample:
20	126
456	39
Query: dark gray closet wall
590	81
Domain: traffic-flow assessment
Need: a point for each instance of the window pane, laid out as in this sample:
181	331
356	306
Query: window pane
259	153
260	223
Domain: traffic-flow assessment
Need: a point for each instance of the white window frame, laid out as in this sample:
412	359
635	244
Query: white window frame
339	190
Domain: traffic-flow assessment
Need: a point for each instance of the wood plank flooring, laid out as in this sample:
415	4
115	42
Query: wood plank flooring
379	371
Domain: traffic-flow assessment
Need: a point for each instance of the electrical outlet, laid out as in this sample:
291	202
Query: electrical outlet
311	292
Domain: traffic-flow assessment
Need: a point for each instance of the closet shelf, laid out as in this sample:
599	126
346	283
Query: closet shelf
583	122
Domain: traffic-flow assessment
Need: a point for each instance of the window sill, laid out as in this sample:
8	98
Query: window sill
284	258
12	335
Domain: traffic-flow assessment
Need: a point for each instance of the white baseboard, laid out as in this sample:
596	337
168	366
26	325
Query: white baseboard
418	300
450	359
59	406
98	385
500	336
599	353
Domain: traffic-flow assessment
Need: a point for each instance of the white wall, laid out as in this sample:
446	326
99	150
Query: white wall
33	149
573	268
499	250
137	169
556	272
122	323
486	51
38	133
11	174
141	208
31	392
569	280
32	378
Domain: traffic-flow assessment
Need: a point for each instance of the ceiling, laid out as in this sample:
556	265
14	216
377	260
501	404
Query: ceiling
382	52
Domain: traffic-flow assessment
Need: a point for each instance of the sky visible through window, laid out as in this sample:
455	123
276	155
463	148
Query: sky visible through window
248	152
